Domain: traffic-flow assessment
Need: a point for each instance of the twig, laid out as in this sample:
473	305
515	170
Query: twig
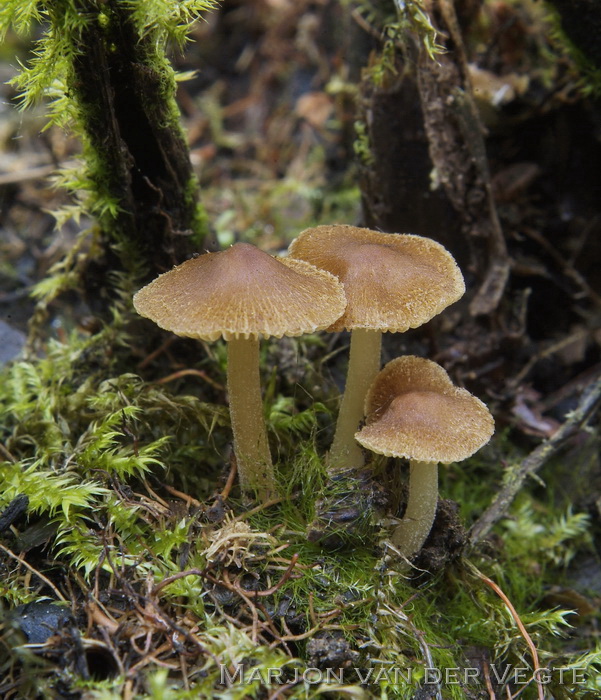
546	352
155	353
566	265
231	478
194	373
34	571
257	509
203	573
109	642
534	461
247	596
152	658
156	497
574	386
253	608
311	632
489	688
101	619
285	576
190	500
180	574
6	454
269	591
365	25
184	672
522	629
269	625
330	615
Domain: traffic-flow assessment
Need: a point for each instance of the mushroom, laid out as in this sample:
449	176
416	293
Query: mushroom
392	282
413	410
243	294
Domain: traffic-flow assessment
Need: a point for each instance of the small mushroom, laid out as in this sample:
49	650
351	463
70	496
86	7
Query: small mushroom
392	282
243	294
415	411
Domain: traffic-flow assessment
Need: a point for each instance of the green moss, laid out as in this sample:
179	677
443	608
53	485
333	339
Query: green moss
94	448
103	72
574	31
361	145
106	458
97	442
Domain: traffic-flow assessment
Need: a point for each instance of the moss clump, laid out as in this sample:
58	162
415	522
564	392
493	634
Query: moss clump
250	605
104	71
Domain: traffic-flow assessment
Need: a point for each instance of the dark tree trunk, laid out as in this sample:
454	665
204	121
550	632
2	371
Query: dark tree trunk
136	151
428	171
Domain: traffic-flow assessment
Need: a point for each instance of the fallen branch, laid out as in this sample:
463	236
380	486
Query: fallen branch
515	477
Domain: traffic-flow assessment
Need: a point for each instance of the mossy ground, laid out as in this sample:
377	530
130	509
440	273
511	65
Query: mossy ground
120	441
123	477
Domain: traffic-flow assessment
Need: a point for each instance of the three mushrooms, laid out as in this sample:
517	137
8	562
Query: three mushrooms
335	278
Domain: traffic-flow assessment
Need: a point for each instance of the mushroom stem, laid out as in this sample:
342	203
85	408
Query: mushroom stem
411	533
363	366
255	468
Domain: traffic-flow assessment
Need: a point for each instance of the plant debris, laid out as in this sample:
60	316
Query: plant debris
131	566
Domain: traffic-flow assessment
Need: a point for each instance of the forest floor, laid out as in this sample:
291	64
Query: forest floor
115	458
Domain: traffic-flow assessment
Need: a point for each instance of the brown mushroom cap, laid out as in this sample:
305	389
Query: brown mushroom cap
392	281
414	411
242	292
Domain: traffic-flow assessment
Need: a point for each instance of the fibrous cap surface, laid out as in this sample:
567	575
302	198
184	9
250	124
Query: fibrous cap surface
242	292
393	282
415	411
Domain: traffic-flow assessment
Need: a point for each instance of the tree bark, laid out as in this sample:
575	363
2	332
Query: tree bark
428	173
136	151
